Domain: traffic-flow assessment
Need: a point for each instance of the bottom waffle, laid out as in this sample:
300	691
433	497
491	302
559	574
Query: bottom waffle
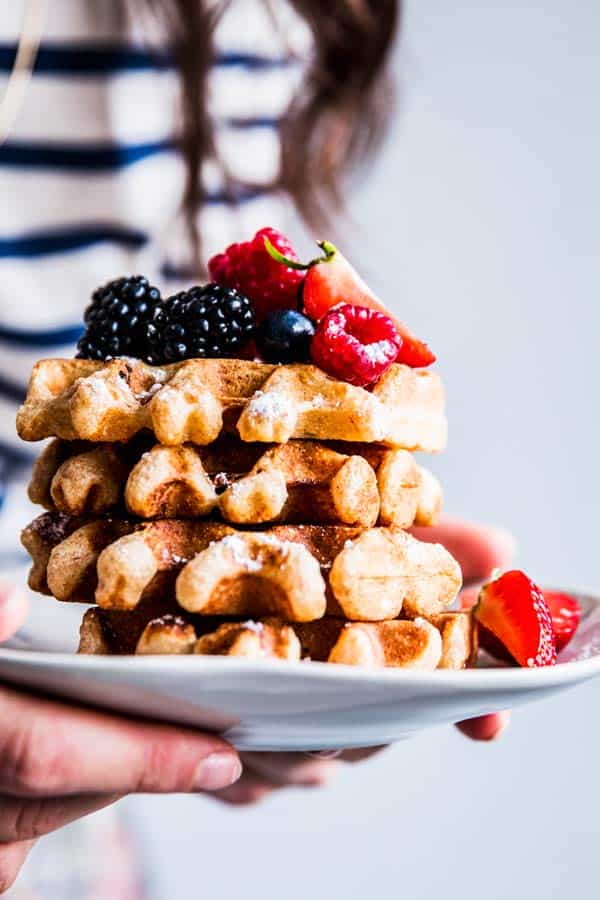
448	641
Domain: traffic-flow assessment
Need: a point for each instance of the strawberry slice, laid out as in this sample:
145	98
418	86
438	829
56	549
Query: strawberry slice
513	610
331	280
566	613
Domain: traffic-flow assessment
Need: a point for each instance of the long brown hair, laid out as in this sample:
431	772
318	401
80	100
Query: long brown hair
336	120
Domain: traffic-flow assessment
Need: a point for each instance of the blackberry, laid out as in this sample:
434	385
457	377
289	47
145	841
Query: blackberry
123	319
206	321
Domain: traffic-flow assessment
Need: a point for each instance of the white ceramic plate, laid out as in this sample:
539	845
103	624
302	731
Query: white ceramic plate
279	705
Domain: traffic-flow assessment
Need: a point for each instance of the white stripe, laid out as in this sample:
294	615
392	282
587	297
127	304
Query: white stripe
141	107
247	25
145	195
252	156
17	361
249	94
222	226
52	292
134	107
270	29
67	20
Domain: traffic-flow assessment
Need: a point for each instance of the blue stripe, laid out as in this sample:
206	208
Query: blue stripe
105	59
94	158
253	61
43	243
255	122
102	157
52	337
88	59
234	195
12	390
171	272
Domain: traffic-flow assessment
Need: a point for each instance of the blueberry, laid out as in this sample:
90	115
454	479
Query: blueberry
285	337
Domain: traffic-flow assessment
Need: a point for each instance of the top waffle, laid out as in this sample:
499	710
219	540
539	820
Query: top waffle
196	400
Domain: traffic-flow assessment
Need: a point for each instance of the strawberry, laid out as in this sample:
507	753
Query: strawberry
566	613
331	280
564	609
513	611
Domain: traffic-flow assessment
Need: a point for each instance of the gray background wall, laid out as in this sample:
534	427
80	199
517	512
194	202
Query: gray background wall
480	226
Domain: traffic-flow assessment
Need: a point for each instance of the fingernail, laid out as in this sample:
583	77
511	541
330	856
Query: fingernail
217	771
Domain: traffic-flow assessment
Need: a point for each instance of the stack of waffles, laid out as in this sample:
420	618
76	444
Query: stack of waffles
230	507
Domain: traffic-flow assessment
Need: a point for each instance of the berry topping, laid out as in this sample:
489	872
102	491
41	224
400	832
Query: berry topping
513	612
121	320
285	337
249	268
566	613
355	344
331	280
208	321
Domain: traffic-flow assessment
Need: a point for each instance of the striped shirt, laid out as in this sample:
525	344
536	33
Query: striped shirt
91	179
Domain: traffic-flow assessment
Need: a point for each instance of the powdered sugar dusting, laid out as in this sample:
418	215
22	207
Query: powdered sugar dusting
173	558
238	548
146	396
251	625
266	407
380	352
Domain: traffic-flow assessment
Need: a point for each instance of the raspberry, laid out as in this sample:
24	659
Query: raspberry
249	268
355	344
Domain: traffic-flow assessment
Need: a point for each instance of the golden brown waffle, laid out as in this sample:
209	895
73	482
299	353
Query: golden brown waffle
195	400
332	638
270	639
296	572
399	643
106	632
297	482
459	639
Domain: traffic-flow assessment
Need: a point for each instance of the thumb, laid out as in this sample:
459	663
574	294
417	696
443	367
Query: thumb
13	609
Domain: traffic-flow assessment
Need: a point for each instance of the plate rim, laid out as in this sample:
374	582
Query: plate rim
485	678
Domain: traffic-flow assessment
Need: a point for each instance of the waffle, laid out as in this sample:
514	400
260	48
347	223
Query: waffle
297	572
383	641
195	400
297	482
271	639
400	643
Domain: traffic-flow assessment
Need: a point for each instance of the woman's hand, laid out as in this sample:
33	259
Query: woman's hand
59	763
